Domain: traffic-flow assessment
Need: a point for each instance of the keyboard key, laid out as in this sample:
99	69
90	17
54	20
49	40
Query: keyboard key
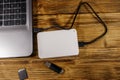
0	23
1	11
7	23
11	22
1	1
23	16
11	10
6	5
23	7
1	6
18	5
6	1
12	0
17	16
1	17
23	21
12	6
6	11
6	17
15	0
18	0
23	10
11	16
17	22
17	10
23	0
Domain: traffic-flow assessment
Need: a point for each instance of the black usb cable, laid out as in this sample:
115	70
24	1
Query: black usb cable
81	43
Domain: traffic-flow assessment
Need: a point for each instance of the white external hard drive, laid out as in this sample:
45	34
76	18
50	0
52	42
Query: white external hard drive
58	43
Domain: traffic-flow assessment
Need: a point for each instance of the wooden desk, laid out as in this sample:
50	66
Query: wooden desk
98	61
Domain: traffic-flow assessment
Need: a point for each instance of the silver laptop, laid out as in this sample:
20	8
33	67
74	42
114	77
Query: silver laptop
15	28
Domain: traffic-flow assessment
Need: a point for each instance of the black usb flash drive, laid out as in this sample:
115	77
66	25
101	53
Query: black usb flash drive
54	67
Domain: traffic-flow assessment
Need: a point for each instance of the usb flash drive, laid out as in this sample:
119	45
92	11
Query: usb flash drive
22	74
54	67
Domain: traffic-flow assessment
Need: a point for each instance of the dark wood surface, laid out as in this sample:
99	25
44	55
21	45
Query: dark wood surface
97	61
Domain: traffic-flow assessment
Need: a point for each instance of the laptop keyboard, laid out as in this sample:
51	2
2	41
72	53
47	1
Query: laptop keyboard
12	12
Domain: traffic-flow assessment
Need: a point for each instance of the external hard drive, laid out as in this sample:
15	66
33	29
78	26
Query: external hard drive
58	43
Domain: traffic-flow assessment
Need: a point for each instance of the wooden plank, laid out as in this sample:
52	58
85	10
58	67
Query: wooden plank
74	71
69	6
66	19
113	39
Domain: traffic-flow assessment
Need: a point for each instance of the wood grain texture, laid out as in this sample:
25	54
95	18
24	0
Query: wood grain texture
98	61
69	6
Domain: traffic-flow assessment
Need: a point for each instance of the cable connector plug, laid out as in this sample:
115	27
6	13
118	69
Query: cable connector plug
36	30
81	44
